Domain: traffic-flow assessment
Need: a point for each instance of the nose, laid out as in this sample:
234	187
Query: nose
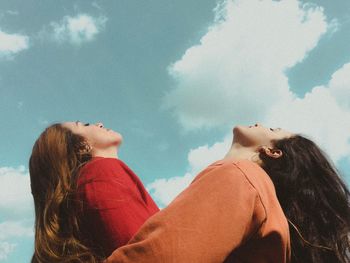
99	124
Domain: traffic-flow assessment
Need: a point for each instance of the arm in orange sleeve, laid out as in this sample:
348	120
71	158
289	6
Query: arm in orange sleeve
217	213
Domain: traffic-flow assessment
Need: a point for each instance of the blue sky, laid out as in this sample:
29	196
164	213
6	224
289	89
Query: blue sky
173	77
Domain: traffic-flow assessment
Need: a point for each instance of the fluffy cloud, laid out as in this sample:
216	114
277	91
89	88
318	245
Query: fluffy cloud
16	207
202	156
5	249
238	67
165	190
340	86
11	44
15	194
237	75
323	114
15	229
75	30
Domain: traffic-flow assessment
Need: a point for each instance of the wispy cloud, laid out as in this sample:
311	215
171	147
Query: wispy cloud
12	12
74	30
10	44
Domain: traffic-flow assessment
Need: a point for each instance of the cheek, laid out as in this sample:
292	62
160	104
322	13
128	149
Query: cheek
259	137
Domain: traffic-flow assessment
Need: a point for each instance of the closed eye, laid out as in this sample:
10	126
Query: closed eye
86	124
277	129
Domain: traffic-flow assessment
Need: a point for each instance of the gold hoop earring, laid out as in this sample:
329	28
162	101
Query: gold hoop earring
85	148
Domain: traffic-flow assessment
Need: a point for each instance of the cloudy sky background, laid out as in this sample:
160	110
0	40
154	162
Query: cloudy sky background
173	77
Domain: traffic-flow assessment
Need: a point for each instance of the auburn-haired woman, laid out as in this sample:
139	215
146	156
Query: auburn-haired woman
238	209
87	201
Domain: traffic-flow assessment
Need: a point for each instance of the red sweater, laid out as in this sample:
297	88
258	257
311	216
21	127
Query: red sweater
115	204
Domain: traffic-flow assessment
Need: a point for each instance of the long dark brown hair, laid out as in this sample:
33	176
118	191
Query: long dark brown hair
314	198
56	158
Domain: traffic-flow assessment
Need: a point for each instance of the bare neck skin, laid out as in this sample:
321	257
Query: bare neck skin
111	152
239	152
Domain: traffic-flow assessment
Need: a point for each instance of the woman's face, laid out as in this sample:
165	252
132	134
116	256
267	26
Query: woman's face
96	135
258	135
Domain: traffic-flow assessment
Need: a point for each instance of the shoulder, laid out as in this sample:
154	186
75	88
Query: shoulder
99	168
233	175
257	176
242	172
244	168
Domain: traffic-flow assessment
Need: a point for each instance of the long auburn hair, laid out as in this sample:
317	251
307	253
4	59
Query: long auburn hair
314	199
56	158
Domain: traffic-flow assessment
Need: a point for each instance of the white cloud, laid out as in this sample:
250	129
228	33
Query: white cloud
323	114
340	86
10	44
16	208
11	229
15	193
236	75
5	249
202	156
238	67
165	190
75	30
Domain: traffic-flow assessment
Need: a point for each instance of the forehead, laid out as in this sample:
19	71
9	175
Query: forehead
70	125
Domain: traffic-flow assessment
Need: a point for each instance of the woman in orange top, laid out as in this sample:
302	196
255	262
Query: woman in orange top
236	210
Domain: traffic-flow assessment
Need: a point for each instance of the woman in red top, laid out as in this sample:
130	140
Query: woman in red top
87	201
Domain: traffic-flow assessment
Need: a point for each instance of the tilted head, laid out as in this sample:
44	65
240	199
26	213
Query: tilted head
102	142
248	141
56	151
56	158
312	195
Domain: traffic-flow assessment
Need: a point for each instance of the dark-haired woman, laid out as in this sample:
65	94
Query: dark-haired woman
87	201
232	211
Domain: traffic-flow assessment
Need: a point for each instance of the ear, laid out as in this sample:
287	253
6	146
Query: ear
84	148
273	153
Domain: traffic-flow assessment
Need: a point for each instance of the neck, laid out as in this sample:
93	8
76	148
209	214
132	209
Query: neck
239	152
106	153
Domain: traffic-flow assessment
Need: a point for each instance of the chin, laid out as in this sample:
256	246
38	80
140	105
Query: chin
239	133
238	128
118	137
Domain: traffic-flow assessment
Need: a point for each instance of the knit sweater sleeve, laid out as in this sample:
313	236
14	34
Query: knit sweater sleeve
113	206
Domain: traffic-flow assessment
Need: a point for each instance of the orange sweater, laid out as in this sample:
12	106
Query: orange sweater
229	213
